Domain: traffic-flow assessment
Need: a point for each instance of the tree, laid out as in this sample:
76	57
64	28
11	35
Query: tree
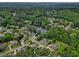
8	37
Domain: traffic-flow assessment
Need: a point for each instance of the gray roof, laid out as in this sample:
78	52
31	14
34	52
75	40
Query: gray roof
54	47
43	42
2	46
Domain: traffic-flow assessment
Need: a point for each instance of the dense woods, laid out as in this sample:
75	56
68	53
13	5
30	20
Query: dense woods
39	32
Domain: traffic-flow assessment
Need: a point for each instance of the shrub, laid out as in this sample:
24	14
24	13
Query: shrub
8	37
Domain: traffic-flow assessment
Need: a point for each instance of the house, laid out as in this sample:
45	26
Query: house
43	42
13	42
2	47
53	47
41	30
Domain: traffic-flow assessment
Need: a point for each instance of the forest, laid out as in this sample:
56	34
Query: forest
34	32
